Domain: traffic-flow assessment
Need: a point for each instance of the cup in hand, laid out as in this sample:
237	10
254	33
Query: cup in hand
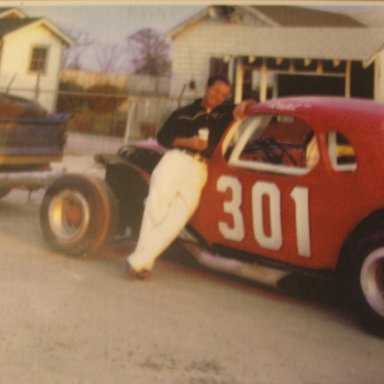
203	134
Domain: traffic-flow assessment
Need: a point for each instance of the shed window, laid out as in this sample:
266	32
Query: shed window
39	59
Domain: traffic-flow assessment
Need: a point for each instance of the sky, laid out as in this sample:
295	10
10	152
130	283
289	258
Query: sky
113	20
110	22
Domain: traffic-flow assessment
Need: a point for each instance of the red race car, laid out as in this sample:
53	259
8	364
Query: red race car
297	186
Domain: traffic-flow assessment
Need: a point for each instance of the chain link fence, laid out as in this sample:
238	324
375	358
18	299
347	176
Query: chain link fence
106	109
119	105
116	115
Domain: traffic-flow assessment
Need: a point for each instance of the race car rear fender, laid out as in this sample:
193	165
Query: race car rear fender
366	226
129	184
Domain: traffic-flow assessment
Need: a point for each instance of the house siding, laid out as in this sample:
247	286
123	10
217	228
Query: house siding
16	55
195	45
193	49
191	54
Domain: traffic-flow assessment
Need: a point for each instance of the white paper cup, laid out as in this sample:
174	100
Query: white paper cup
203	134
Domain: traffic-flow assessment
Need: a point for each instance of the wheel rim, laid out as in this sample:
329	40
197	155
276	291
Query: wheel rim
372	280
69	215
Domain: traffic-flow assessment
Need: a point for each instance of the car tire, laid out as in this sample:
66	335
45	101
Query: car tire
78	215
365	277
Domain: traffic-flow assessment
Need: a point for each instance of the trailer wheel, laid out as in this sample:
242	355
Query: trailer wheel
78	214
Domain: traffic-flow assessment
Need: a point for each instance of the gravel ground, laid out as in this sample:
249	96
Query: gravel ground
77	320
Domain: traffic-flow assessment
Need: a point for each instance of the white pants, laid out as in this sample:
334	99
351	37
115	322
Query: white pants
174	194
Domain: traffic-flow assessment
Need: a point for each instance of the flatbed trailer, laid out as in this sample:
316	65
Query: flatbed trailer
29	143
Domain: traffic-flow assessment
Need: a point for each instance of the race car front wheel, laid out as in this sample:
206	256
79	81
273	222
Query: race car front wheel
366	276
78	214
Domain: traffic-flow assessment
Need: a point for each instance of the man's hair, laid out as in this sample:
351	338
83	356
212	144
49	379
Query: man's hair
212	80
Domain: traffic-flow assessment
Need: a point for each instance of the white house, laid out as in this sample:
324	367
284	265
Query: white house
276	51
30	56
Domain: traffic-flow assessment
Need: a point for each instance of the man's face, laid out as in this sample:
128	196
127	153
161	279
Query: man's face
216	94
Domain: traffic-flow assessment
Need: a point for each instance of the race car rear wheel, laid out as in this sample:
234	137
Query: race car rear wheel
366	276
78	214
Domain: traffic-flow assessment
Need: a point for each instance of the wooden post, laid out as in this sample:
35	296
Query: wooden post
239	81
263	82
131	112
378	78
348	71
37	86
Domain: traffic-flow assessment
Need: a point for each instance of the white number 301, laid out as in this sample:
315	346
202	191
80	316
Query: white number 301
264	191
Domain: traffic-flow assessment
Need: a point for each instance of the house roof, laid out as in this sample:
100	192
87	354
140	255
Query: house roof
274	16
297	42
371	19
11	25
291	16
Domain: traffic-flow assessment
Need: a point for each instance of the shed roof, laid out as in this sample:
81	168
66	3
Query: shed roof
11	12
10	25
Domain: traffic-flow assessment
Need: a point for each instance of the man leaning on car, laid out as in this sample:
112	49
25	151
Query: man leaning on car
191	134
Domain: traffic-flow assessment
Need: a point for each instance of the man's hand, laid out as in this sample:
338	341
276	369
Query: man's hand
240	109
194	143
197	144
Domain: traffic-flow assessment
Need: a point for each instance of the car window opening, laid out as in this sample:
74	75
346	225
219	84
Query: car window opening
276	143
341	152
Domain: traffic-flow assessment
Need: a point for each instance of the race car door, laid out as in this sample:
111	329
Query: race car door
258	197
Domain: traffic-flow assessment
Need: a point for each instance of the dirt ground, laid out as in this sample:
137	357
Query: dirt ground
77	320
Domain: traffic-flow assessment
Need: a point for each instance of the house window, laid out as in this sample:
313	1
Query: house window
39	59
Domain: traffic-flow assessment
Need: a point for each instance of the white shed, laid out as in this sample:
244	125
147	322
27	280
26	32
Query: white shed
30	56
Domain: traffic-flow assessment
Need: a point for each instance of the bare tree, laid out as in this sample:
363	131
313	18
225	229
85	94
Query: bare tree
108	56
73	55
149	52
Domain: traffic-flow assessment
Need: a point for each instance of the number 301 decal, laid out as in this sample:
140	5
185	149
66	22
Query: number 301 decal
261	190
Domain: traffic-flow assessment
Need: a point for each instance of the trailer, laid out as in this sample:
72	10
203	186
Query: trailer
30	140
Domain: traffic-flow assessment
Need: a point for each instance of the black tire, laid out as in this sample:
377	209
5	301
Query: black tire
78	215
365	276
130	190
